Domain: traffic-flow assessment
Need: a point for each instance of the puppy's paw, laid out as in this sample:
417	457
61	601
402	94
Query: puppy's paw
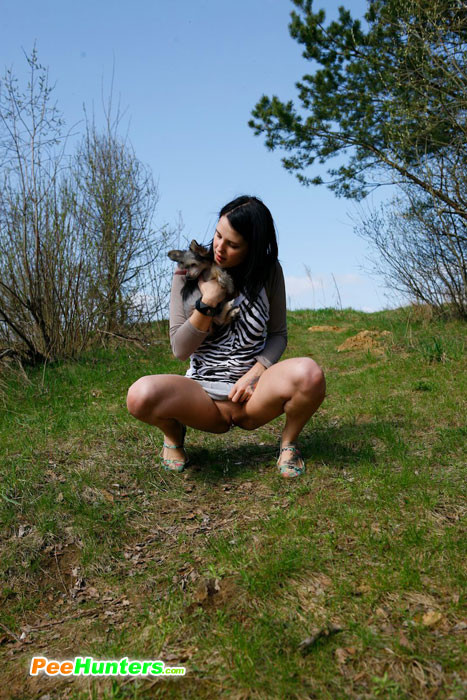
231	312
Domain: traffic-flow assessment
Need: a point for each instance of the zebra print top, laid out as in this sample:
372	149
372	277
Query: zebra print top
232	349
257	334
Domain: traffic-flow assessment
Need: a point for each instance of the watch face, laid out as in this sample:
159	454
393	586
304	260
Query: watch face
205	309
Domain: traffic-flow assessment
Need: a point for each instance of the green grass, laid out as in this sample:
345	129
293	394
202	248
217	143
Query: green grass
227	568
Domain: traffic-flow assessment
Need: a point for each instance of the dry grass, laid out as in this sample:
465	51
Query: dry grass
349	582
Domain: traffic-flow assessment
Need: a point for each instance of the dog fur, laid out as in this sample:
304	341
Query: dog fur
197	263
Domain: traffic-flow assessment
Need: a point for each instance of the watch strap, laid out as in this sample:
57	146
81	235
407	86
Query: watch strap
207	310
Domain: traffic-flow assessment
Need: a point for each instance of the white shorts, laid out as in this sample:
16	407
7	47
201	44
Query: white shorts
218	391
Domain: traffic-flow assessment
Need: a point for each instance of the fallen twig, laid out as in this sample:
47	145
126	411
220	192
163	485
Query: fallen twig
12	634
125	337
326	631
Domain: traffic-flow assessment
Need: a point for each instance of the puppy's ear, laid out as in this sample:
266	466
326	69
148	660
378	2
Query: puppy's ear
199	250
176	255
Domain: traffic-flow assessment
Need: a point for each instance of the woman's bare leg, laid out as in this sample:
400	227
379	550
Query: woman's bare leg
295	387
167	400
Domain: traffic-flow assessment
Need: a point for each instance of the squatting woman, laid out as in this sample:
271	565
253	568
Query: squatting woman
235	377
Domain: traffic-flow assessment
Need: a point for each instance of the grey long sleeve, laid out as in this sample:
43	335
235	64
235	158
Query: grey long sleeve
185	339
276	339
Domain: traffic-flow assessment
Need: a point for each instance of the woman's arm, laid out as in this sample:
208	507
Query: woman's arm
244	387
276	339
187	333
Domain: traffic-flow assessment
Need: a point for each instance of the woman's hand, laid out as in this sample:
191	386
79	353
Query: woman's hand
243	389
211	292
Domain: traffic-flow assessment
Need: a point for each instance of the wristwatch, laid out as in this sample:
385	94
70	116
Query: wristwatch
205	309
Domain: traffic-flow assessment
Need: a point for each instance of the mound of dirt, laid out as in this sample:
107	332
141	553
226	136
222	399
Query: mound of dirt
323	329
365	340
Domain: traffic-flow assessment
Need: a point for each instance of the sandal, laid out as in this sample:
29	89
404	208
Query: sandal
294	466
174	465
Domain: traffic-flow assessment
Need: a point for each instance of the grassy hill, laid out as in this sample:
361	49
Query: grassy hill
346	583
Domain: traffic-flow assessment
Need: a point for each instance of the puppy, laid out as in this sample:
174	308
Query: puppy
196	261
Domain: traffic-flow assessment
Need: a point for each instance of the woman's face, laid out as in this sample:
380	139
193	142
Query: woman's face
230	248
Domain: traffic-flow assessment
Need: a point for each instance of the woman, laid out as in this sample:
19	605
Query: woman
234	376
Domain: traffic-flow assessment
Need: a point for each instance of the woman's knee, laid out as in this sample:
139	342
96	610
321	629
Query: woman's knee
144	396
309	377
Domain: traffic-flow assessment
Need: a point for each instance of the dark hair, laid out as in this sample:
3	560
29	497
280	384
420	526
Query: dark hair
251	218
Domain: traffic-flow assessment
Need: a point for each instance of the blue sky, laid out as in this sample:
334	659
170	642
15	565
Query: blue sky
188	73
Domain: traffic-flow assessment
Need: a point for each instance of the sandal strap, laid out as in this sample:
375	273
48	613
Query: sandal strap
175	465
292	447
177	447
296	463
289	465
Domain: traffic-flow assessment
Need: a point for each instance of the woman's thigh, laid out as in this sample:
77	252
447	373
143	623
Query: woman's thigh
165	396
277	385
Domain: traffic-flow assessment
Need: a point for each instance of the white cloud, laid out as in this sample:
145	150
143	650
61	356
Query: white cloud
346	290
302	285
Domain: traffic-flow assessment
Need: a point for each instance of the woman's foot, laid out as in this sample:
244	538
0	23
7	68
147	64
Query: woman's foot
174	457
290	462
